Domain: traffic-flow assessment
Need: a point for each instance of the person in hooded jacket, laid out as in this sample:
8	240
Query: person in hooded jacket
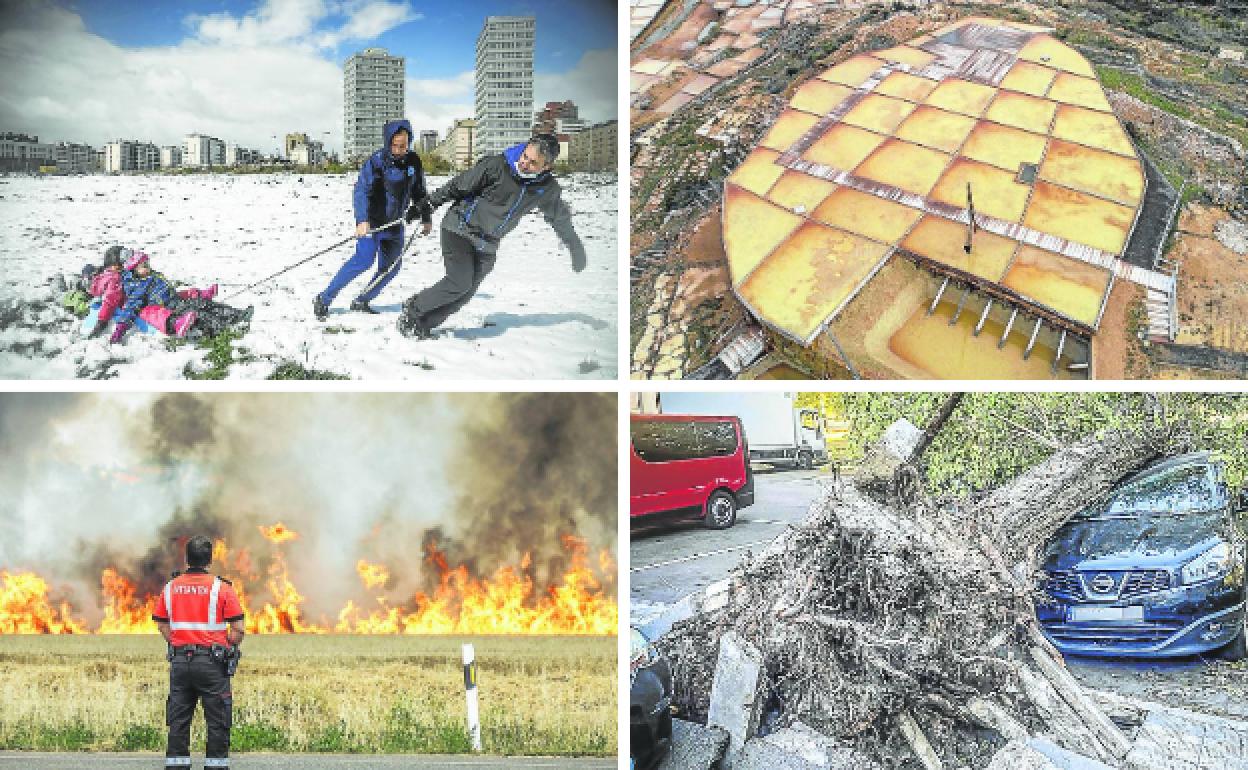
489	200
390	183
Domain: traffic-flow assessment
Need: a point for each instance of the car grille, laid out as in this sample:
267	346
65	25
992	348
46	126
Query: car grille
1146	582
1066	584
1114	634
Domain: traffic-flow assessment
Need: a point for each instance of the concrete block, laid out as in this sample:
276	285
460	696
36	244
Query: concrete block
800	748
892	449
695	747
1174	739
1041	754
736	702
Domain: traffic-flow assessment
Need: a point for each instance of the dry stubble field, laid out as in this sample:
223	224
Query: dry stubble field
372	694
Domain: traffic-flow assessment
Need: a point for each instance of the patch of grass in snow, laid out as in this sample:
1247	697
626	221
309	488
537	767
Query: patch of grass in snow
293	370
422	363
219	356
588	365
339	330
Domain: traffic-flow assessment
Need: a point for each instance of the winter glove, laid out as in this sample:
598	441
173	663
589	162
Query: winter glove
420	209
578	257
119	332
99	328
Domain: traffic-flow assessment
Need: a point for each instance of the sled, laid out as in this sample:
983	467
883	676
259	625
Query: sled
88	322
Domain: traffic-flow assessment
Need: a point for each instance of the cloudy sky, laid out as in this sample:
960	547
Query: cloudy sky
249	71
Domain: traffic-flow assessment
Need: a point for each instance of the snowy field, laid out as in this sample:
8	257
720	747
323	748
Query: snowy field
532	319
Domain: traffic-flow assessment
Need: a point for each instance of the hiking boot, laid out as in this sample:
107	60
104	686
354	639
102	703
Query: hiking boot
320	308
412	325
362	306
184	323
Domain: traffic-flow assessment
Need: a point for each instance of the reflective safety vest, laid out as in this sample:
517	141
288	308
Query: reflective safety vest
198	608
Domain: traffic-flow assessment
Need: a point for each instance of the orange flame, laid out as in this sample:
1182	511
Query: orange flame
508	601
278	533
24	607
373	575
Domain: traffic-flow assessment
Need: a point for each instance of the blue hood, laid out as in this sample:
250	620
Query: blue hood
392	128
512	154
1141	542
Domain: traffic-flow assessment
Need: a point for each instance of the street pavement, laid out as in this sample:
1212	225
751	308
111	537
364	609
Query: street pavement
671	559
27	760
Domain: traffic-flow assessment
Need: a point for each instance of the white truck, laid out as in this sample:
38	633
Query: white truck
777	431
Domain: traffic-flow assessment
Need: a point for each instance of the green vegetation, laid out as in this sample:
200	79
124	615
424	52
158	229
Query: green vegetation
292	370
219	357
548	696
1134	85
992	437
1218	118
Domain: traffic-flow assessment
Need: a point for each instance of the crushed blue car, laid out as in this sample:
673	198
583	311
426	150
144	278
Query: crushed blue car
1154	570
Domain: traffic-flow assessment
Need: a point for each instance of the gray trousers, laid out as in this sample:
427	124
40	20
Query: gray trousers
466	267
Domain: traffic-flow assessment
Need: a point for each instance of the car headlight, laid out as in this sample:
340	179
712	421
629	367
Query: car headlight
1211	564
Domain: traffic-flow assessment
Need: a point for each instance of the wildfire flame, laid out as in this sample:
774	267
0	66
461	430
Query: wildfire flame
278	533
508	601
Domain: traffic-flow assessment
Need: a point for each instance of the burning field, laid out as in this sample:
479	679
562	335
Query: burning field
424	516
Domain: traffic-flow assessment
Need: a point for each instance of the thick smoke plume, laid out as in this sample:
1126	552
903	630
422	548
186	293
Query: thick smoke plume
97	480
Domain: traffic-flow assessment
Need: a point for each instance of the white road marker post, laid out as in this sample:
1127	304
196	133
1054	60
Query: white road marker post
470	692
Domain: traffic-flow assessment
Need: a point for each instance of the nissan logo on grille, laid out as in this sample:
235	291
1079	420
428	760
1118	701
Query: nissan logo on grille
1103	583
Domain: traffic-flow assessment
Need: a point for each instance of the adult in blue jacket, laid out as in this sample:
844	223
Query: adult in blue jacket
391	182
487	202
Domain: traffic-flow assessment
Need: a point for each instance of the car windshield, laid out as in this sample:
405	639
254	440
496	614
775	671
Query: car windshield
1168	511
1184	489
1143	534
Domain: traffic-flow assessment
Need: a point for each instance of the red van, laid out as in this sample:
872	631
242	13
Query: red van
690	463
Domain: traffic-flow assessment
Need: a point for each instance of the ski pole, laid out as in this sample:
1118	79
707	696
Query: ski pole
250	286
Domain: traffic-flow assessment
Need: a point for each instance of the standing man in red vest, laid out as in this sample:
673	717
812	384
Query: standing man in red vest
200	617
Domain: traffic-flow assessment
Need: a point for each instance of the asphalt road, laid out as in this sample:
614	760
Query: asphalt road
670	559
85	761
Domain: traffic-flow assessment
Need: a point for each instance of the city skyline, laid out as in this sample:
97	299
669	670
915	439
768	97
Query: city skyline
90	73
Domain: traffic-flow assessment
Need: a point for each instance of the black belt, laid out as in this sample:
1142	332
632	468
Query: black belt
193	649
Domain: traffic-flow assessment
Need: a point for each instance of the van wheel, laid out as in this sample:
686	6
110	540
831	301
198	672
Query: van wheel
1238	649
804	461
721	510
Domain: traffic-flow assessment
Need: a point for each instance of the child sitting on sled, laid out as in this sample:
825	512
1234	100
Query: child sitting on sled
149	295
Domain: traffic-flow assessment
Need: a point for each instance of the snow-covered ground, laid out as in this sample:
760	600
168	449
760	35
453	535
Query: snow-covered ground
532	319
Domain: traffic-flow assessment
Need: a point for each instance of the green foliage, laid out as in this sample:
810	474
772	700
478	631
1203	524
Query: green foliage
435	164
73	736
219	357
141	738
256	736
992	437
293	370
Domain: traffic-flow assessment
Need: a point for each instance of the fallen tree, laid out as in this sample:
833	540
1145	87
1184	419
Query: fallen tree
906	630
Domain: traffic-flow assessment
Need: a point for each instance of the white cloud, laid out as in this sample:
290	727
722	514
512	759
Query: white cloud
243	80
370	20
592	85
433	104
275	21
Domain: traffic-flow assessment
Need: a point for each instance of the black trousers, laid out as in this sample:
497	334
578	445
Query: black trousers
190	681
466	267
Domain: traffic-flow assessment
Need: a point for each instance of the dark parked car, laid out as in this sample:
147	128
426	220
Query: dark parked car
650	704
1154	570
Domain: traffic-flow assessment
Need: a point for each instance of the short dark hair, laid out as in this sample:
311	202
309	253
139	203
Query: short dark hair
547	145
113	256
198	551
